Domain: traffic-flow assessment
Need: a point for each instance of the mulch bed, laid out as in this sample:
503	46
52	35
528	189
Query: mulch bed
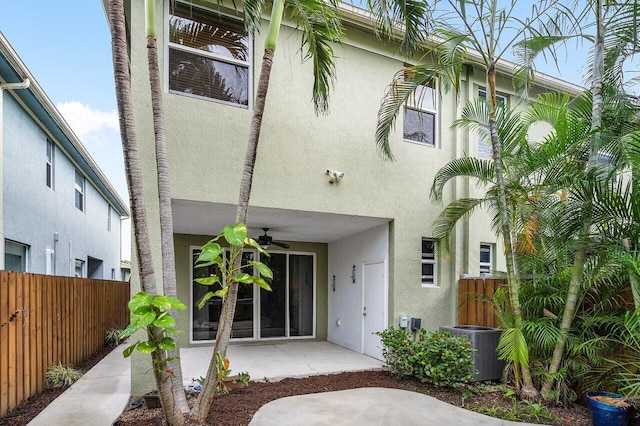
24	412
238	406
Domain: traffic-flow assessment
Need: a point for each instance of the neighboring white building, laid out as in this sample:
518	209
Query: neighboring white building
59	214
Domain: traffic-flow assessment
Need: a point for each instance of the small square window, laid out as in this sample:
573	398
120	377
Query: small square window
486	258
429	266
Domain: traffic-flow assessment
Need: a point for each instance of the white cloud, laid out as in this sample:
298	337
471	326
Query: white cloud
86	121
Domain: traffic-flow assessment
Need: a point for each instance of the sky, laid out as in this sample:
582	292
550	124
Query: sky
66	46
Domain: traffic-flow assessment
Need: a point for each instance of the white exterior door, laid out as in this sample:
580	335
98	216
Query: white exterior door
374	316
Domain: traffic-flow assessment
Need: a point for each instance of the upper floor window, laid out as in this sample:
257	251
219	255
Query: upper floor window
50	162
486	258
209	55
79	191
109	218
420	116
429	267
484	145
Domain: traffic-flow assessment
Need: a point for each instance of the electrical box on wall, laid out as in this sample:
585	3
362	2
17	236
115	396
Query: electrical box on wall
404	321
416	323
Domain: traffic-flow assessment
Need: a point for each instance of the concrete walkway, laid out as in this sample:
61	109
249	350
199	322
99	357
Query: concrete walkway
371	407
96	399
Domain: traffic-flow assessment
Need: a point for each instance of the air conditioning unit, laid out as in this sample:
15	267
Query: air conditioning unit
484	341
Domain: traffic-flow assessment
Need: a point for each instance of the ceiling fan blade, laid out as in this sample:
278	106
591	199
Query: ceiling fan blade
280	244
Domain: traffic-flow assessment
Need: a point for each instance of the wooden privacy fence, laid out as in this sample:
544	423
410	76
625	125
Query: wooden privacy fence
46	320
472	311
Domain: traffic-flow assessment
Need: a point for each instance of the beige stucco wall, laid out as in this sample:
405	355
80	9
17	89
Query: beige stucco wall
207	142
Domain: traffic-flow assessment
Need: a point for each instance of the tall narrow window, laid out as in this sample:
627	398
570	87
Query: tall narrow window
486	258
109	218
49	163
420	116
428	263
209	55
79	191
484	144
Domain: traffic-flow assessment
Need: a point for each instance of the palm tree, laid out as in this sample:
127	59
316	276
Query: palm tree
134	180
170	371
491	32
320	25
615	39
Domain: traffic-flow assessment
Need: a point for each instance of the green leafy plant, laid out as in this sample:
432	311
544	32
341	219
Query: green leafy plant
112	337
212	254
60	376
244	378
435	357
152	313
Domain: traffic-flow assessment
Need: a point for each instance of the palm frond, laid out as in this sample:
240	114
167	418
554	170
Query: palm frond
449	217
321	28
478	168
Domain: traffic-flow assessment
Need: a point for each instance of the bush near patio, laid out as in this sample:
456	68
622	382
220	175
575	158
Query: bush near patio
434	357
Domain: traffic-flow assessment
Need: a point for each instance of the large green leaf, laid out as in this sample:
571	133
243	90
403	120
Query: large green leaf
205	298
176	304
161	302
146	347
138	300
214	279
236	234
263	269
243	277
127	352
167	344
261	283
143	319
164	320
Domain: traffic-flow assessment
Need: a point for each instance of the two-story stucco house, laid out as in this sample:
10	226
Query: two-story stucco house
59	214
358	251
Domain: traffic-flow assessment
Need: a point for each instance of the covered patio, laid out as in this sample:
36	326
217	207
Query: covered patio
277	360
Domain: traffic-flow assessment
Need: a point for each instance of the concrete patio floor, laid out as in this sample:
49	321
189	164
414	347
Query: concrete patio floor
277	360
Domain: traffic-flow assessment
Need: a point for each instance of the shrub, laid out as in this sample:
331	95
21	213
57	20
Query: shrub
60	375
112	337
435	357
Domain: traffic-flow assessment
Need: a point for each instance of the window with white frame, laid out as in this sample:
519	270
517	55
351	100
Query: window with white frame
49	163
79	191
109	218
486	258
429	266
209	55
484	145
420	116
15	256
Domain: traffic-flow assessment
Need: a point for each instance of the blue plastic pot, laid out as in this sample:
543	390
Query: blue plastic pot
607	415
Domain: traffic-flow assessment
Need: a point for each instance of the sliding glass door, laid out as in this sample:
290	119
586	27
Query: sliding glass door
286	311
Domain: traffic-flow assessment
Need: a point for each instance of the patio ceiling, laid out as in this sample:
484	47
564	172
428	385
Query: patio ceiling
202	218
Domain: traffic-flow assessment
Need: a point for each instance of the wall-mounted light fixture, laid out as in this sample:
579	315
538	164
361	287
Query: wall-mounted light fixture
353	274
334	283
334	176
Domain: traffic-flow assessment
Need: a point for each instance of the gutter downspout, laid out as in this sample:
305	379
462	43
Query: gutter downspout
5	86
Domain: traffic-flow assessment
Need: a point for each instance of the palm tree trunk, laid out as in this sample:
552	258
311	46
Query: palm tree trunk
134	179
577	272
223	336
528	390
166	216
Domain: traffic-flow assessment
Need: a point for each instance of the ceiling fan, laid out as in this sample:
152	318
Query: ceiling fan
266	240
